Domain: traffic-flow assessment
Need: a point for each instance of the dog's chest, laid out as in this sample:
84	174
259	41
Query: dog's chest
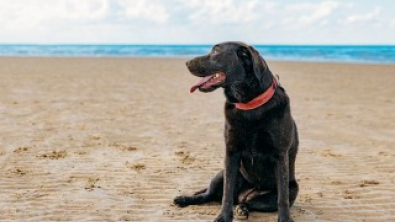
259	145
258	157
258	154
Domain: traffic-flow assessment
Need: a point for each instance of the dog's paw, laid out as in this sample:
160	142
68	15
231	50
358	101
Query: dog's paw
241	212
181	201
224	218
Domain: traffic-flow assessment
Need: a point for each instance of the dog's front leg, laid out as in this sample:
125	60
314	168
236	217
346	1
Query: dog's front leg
282	176
232	162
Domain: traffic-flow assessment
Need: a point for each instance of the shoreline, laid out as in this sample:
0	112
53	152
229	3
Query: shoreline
376	54
190	57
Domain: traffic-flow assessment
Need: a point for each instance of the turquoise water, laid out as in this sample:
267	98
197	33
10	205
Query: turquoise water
315	53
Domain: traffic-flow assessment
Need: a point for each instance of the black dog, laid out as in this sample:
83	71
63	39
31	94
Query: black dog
260	134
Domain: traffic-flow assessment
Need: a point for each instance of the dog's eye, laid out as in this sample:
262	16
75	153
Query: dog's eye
214	52
242	53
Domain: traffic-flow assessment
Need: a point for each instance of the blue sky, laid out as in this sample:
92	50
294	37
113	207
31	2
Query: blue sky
197	21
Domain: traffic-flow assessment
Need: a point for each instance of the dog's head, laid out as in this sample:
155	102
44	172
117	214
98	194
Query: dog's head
235	66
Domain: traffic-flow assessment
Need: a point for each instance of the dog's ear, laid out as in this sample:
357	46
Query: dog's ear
260	67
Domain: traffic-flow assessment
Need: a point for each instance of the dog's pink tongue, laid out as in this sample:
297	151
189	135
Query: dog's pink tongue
200	83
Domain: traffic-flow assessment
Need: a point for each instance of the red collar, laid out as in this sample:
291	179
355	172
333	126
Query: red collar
260	100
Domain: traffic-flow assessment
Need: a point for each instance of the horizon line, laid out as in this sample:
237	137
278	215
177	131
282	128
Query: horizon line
179	44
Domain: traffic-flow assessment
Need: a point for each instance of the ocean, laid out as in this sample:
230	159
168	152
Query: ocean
314	53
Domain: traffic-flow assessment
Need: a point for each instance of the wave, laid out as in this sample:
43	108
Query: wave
315	53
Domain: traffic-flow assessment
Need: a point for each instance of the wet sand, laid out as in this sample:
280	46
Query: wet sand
115	139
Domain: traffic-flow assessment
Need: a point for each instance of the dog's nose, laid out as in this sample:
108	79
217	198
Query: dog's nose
187	63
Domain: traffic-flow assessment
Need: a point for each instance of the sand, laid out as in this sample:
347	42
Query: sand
116	139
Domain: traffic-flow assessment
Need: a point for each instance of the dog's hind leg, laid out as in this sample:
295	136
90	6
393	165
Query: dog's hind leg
263	201
212	193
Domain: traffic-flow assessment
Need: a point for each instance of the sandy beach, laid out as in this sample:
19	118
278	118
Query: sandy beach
116	139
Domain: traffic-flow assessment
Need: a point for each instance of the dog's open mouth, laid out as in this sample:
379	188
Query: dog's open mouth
208	82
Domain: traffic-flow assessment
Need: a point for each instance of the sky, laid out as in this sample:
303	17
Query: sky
197	21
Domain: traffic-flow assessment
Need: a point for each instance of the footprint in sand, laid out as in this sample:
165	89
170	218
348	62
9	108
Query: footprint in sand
94	137
22	149
365	183
19	171
350	195
54	155
123	148
136	166
384	154
185	157
127	148
81	153
336	182
91	184
126	217
329	153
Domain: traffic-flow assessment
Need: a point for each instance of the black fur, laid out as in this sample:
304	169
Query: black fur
261	144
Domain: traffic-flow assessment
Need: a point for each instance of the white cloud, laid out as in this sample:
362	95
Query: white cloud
299	15
28	13
309	14
266	13
143	10
21	14
364	17
193	21
319	12
226	11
